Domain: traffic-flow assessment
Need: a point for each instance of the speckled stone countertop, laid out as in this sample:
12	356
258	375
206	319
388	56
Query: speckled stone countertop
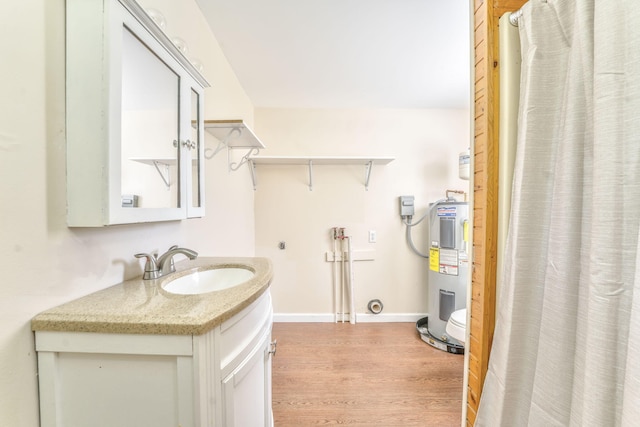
143	307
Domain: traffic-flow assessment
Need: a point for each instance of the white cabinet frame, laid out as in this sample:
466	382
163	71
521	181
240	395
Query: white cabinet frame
94	85
197	371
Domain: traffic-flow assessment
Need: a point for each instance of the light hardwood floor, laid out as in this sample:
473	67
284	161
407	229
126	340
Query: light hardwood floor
368	374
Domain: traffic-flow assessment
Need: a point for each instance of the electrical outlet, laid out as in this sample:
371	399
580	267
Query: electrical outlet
373	236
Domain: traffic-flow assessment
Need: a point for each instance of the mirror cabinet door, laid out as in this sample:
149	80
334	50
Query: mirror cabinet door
196	150
150	128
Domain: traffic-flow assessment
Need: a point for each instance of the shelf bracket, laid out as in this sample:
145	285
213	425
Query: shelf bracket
367	174
167	178
236	165
210	153
252	169
310	175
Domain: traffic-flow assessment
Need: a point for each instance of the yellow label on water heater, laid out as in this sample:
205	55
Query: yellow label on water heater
465	231
434	259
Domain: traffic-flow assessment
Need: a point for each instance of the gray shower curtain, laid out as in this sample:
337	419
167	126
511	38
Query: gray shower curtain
566	349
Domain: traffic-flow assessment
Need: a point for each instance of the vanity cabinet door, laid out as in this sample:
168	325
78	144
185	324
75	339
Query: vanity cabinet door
247	390
107	380
134	119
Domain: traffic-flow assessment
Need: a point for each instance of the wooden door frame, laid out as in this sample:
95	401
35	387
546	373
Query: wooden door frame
486	14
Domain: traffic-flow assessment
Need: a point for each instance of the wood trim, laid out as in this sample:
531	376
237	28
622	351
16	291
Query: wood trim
485	192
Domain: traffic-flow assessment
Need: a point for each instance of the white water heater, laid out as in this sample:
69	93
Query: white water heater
448	268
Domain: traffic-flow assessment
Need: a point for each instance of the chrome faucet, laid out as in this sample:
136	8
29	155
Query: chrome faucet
165	261
156	267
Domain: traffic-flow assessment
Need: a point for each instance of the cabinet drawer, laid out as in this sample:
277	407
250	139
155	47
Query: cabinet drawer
239	334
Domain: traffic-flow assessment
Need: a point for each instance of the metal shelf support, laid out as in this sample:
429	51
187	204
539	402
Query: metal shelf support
252	169
166	179
224	143
367	174
232	135
234	166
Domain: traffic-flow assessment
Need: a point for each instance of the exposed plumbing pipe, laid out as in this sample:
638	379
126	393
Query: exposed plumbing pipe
346	277
334	232
342	271
352	299
455	192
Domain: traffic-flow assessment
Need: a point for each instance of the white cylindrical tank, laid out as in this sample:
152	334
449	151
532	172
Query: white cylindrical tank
448	264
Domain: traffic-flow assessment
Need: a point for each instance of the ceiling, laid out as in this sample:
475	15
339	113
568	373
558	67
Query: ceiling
346	53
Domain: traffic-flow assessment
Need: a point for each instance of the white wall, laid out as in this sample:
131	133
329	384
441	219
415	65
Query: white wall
42	262
425	144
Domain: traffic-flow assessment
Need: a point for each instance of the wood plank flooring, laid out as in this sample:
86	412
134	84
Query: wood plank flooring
368	374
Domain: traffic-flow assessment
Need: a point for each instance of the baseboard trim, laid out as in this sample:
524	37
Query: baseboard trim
360	318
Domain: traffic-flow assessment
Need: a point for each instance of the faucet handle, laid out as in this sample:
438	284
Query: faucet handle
150	267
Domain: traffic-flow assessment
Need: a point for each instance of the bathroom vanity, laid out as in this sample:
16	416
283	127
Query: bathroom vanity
137	355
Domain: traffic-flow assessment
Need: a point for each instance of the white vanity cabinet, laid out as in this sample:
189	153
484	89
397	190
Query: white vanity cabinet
220	378
135	131
246	390
245	372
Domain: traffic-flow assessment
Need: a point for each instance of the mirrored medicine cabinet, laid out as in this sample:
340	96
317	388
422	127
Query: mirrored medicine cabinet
135	135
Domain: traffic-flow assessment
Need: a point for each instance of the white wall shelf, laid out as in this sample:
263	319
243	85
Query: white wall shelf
232	134
310	161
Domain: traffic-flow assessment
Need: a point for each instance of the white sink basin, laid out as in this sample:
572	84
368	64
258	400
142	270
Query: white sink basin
204	281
